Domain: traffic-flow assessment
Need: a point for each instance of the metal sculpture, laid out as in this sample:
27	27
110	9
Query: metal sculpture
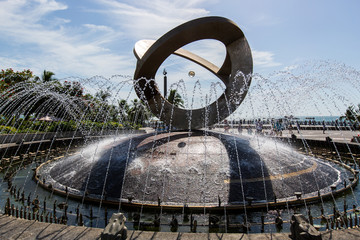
235	72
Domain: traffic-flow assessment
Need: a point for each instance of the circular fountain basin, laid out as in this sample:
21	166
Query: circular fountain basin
196	169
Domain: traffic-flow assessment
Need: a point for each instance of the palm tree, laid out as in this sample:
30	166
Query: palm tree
123	107
175	98
352	114
47	76
103	95
138	112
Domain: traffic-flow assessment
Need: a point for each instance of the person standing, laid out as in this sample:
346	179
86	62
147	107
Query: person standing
226	126
259	126
298	126
290	128
240	127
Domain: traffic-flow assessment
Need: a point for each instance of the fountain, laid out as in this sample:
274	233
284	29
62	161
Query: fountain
225	180
169	165
226	167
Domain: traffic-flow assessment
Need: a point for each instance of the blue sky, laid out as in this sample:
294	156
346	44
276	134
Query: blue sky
96	37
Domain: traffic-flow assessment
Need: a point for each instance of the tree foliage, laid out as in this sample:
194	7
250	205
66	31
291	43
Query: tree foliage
66	101
138	113
352	114
9	77
47	76
175	98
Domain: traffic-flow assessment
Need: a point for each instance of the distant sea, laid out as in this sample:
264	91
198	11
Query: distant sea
305	118
318	118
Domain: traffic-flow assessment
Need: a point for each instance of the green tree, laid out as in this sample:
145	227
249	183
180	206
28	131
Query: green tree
175	98
47	76
123	109
103	95
138	112
9	77
99	108
73	89
62	100
352	114
123	105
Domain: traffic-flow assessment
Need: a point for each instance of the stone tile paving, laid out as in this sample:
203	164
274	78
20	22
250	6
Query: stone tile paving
13	228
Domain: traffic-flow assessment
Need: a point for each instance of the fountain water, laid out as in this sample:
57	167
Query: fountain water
224	180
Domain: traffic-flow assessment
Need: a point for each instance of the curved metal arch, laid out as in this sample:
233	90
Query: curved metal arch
238	60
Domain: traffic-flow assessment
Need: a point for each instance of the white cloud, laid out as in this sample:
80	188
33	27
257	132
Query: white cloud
57	48
13	11
37	37
144	20
141	20
99	27
264	59
291	67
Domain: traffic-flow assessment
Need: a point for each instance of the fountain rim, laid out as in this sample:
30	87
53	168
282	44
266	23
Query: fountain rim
212	207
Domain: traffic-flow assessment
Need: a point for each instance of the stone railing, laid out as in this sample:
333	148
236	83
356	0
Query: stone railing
31	137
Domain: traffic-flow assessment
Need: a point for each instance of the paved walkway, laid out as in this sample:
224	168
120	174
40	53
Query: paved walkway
337	136
343	136
21	229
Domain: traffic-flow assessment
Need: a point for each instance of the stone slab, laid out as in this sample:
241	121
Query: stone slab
13	228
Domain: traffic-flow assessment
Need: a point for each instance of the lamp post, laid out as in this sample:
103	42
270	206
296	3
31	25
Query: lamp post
165	83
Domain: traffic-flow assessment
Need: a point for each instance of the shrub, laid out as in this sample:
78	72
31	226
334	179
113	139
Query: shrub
7	129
